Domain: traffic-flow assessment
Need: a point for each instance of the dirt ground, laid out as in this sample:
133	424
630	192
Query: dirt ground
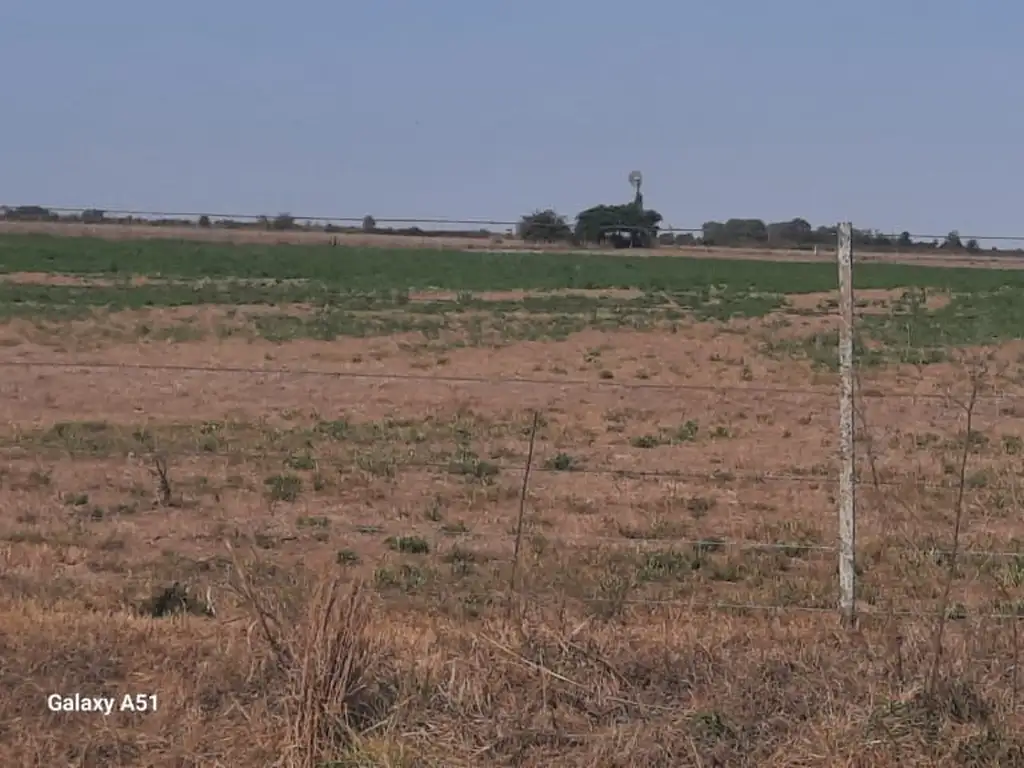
496	243
663	594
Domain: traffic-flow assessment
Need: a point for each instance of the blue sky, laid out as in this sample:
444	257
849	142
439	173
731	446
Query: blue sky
904	114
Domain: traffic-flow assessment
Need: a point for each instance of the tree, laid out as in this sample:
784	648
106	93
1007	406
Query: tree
595	225
283	221
31	213
735	232
713	233
544	227
747	230
369	224
972	246
794	232
204	221
871	238
952	241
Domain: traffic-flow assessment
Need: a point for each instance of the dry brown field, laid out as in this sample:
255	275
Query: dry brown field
330	553
498	243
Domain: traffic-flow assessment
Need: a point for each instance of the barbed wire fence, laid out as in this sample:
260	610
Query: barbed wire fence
846	477
980	391
700	479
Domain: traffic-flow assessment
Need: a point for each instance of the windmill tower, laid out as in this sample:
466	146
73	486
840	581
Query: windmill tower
635	180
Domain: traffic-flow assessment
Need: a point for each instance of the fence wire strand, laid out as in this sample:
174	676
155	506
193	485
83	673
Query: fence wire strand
868	393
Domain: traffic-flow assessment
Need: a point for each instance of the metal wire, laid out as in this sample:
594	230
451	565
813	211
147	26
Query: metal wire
355	220
869	393
624	540
862	611
414	220
963	238
452	467
711	543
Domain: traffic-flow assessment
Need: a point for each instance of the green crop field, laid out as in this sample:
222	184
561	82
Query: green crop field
379	269
365	291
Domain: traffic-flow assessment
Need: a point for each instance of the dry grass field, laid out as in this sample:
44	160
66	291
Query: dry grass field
302	521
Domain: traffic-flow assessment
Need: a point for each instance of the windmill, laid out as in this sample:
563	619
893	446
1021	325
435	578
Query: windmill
632	235
635	180
628	225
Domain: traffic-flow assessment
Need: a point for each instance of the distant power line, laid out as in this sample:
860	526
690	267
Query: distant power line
444	221
258	216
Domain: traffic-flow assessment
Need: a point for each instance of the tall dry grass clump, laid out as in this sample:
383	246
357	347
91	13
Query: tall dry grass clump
332	666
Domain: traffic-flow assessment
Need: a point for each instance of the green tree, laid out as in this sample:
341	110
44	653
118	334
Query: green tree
594	225
713	233
283	221
544	227
953	242
735	232
30	213
786	233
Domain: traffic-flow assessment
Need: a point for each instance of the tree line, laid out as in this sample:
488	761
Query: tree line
547	226
282	222
627	225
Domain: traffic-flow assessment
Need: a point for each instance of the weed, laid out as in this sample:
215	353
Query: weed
561	462
163	481
457	528
412	545
698	506
474	468
347	557
283	487
687	432
300	462
646	441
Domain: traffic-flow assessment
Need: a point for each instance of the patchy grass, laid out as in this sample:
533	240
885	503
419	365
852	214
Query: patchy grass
331	571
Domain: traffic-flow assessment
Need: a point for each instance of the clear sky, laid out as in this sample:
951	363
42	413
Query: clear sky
895	114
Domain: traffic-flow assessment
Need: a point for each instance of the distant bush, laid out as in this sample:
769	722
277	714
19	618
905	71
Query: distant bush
30	213
544	227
